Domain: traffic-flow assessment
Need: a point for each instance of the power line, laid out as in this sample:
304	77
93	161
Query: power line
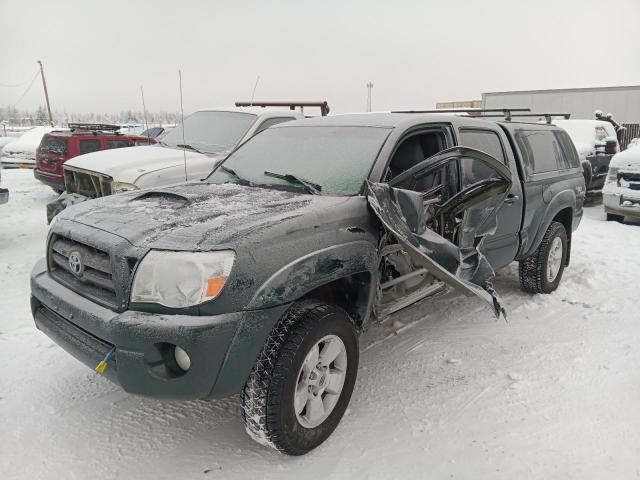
13	85
28	88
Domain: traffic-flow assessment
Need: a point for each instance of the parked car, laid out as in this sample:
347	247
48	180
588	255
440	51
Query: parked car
596	142
258	279
59	146
209	136
4	192
621	193
21	152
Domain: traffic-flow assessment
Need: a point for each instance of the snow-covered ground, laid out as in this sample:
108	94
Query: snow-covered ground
444	390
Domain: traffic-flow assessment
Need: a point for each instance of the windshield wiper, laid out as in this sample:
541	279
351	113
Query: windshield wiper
231	171
188	147
309	187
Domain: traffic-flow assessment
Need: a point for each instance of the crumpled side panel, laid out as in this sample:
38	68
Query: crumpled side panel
466	269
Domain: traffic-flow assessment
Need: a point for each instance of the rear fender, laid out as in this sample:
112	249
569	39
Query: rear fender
531	239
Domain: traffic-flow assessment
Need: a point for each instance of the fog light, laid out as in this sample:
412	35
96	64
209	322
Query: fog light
182	359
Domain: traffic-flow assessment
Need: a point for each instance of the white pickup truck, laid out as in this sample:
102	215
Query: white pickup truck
184	154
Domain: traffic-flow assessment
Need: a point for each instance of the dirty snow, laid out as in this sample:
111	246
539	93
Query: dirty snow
444	390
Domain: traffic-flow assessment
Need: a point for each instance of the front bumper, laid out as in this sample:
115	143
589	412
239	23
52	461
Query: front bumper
63	201
622	201
4	195
222	348
52	180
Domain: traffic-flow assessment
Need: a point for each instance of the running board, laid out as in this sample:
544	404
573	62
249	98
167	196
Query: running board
411	299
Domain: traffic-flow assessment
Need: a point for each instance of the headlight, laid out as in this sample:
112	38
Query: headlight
612	176
120	187
181	279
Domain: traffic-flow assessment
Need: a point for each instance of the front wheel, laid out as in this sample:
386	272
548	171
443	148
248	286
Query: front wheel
302	381
615	218
541	272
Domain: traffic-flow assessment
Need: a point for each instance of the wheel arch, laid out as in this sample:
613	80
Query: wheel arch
344	275
560	209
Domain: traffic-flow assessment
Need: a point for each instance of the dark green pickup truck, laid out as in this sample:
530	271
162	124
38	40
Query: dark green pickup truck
259	278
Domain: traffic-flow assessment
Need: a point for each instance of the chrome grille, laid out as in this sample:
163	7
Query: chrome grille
88	184
94	280
632	178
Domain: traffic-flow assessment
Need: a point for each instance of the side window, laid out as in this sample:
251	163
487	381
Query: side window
117	143
571	159
541	150
270	122
486	141
88	146
415	149
601	134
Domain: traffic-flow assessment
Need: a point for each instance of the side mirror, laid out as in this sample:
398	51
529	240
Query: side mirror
611	145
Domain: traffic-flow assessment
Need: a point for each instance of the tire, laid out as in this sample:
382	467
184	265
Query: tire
587	173
542	271
278	376
615	218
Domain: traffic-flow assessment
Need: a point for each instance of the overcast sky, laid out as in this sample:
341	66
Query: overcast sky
97	53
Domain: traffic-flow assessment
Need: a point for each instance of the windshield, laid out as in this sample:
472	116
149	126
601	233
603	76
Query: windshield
210	132
336	159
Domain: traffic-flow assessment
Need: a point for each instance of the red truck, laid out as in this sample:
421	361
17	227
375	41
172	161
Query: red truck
59	146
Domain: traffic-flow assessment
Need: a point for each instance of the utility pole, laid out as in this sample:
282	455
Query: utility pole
369	87
46	93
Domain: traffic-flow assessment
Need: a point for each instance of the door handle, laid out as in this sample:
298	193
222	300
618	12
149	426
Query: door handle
511	199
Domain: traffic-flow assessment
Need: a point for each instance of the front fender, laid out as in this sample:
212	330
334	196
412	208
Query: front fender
532	238
314	270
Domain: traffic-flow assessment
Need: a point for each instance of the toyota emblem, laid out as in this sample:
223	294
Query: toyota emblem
75	264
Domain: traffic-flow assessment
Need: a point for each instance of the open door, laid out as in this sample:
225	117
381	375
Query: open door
441	224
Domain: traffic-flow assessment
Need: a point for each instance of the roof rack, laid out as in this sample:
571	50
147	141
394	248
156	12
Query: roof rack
547	116
506	112
93	127
324	106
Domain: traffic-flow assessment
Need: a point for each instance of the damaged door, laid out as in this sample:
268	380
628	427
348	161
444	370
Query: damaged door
441	223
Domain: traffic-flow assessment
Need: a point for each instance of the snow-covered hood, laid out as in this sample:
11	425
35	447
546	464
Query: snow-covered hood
629	160
202	216
130	164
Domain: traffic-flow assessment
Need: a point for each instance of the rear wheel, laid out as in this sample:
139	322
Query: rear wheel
542	271
302	381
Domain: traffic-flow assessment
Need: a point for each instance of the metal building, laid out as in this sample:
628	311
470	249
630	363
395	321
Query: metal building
622	102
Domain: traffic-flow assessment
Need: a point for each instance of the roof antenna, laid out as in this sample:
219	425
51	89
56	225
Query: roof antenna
144	110
253	94
184	148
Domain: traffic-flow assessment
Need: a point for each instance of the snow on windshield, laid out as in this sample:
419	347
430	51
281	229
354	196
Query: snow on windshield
211	131
336	158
